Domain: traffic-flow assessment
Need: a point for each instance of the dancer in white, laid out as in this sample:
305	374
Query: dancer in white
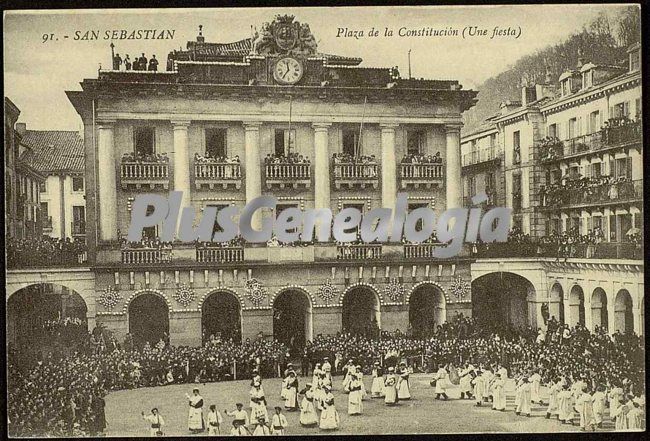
278	422
195	421
355	407
156	422
308	416
214	421
377	387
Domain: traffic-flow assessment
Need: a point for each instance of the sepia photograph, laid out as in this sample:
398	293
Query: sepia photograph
324	221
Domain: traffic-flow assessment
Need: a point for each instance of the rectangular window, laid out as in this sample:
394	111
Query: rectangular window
571	128
144	141
359	206
216	227
493	140
215	143
552	131
44	210
285	142
621	109
635	60
351	142
516	145
516	192
281	206
594	121
150	232
596	170
415	142
42	186
415	205
77	183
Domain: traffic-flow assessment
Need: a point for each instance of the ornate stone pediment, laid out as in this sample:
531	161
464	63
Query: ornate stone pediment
284	36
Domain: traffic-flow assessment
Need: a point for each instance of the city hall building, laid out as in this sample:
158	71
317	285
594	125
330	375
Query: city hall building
272	115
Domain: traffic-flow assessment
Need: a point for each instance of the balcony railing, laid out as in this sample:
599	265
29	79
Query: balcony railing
220	255
603	250
479	156
211	174
614	193
78	228
421	174
603	139
146	256
352	174
144	174
358	252
420	250
290	174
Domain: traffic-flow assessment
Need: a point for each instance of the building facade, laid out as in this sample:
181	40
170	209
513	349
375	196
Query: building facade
22	180
229	122
60	157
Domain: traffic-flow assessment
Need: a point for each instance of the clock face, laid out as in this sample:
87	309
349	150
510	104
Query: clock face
287	70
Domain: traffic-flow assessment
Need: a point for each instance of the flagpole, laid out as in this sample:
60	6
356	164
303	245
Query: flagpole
290	110
363	116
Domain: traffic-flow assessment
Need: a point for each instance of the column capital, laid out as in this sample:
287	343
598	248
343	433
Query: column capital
388	126
105	123
180	124
453	127
321	126
252	125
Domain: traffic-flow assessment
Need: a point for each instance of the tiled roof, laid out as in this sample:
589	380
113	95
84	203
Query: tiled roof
54	150
243	47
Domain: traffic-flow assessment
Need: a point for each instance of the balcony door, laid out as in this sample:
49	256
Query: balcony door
78	220
285	142
215	143
144	141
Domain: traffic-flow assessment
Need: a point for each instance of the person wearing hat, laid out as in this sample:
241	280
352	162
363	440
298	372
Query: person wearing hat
261	429
214	421
442	382
290	392
308	416
359	372
195	421
155	421
258	402
498	393
239	429
390	388
329	417
288	369
377	387
355	406
278	422
348	370
524	401
240	416
327	368
315	374
403	387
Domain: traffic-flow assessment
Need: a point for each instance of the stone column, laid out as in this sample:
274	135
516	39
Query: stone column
107	180
253	169
182	164
454	184
388	166
321	165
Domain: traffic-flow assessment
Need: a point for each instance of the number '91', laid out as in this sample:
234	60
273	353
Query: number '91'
47	37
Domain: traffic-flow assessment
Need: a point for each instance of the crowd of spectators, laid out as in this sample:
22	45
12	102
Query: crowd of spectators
140	157
560	245
230	166
368	165
62	394
45	251
587	190
138	63
418	158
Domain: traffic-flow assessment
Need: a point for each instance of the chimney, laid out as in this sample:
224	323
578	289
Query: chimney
528	94
547	78
200	38
21	128
581	60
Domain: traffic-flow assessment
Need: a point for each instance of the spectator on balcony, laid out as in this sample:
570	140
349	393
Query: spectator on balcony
127	62
142	62
153	64
117	62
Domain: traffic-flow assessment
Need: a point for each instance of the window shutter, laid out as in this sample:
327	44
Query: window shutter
626	108
628	164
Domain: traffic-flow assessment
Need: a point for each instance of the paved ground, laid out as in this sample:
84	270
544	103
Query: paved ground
422	414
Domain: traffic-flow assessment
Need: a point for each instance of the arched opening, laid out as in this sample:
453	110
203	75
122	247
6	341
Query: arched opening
292	320
148	319
501	298
361	312
623	315
599	314
426	310
556	308
45	317
221	317
576	306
